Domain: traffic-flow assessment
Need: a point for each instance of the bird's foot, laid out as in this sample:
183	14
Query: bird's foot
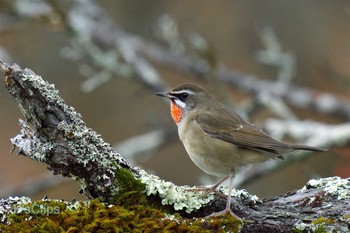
223	213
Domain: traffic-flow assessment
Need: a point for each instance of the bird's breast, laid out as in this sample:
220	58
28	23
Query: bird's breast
213	156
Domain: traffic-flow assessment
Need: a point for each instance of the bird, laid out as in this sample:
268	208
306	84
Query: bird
217	139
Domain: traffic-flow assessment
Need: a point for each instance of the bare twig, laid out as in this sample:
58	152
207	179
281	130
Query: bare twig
90	24
313	133
130	45
136	147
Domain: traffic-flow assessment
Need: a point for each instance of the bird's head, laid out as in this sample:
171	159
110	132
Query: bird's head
185	98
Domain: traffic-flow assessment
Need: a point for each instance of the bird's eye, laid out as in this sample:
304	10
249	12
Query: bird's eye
184	95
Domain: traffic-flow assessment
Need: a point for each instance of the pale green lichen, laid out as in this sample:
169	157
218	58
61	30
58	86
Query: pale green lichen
172	194
240	193
331	185
303	227
6	206
319	225
334	186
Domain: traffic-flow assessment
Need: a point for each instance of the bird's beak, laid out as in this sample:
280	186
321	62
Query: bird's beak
164	94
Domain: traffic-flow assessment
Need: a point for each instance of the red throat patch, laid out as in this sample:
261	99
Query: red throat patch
176	112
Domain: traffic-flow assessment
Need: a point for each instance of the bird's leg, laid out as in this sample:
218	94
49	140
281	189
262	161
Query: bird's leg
213	188
227	210
209	190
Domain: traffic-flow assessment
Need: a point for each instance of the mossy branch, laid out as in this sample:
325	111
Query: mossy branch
55	134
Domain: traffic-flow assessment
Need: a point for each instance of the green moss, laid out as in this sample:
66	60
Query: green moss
130	190
323	220
317	225
99	217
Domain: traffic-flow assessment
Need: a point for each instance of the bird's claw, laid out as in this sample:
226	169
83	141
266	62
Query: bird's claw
225	212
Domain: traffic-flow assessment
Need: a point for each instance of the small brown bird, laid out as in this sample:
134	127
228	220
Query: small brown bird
219	140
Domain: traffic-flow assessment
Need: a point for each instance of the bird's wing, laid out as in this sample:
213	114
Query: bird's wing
228	126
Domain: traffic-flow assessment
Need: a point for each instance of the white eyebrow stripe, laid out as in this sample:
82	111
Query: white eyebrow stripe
182	91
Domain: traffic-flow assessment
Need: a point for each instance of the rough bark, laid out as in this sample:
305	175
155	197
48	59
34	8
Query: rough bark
55	134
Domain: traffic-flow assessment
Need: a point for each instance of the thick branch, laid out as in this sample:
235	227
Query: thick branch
56	135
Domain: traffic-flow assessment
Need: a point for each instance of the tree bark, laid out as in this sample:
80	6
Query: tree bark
55	134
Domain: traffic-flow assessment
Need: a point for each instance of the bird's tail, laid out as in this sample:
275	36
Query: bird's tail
303	147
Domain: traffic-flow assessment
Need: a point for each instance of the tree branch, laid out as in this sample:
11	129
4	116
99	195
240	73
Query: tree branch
56	135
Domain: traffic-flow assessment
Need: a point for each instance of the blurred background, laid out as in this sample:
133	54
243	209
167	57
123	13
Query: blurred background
279	63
